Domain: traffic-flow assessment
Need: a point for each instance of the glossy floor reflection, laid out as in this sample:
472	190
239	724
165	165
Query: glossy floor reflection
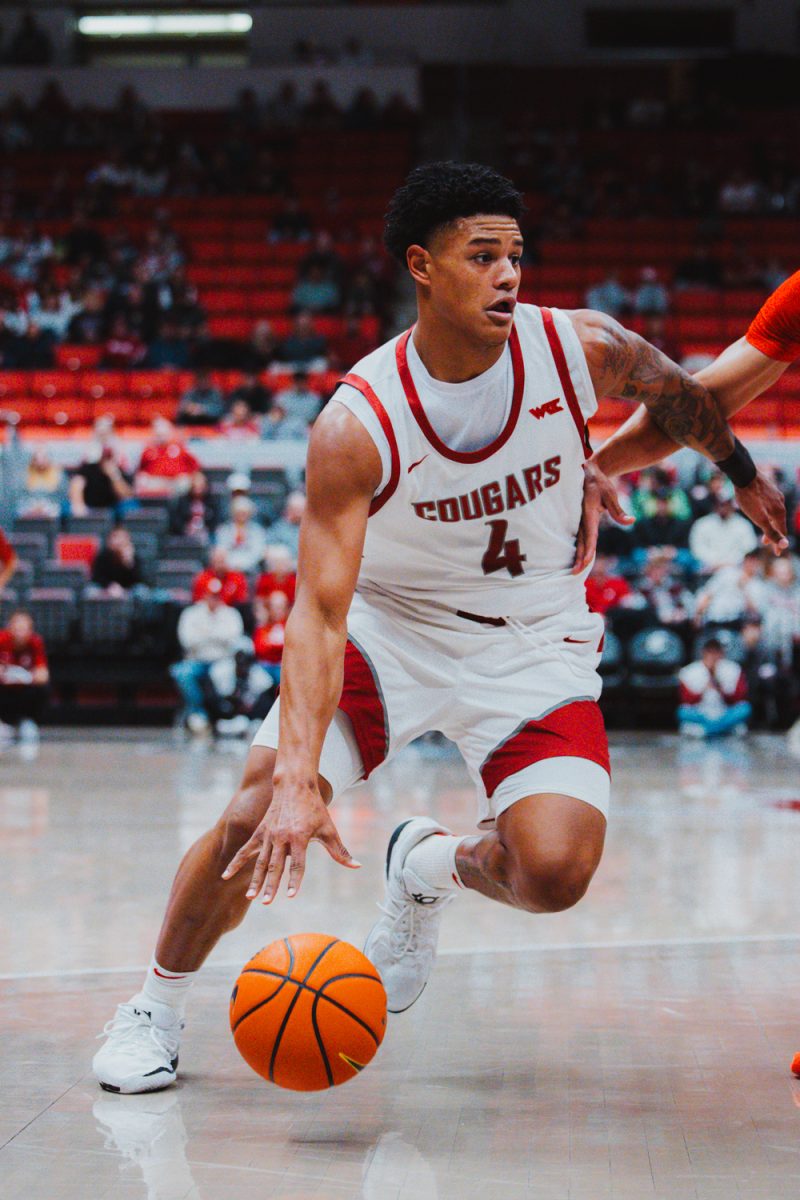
634	1047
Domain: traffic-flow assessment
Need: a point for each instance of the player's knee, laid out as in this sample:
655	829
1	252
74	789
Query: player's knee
554	880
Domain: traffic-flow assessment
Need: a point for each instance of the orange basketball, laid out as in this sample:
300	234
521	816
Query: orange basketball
308	1012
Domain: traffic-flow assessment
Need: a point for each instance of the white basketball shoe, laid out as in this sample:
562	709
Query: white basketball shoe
141	1050
402	944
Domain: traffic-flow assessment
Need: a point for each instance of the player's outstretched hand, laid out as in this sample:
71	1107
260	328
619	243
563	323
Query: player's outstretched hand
290	823
764	504
599	495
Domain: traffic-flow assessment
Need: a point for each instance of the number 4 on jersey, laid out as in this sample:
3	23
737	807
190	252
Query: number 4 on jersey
500	553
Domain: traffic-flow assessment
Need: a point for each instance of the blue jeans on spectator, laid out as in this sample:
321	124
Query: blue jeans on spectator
190	675
737	714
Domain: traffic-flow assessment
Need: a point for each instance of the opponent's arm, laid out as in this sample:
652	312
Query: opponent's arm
623	364
742	372
343	471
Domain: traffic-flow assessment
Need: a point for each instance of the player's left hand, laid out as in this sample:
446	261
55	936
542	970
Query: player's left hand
599	496
764	504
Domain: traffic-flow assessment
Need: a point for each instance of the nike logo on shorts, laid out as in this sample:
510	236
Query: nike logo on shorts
578	641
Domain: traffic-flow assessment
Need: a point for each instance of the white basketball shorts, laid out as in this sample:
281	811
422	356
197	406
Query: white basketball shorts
520	703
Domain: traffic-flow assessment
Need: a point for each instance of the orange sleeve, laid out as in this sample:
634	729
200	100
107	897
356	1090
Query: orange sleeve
776	328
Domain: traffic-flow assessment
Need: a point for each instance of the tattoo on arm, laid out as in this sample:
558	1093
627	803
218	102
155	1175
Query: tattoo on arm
626	365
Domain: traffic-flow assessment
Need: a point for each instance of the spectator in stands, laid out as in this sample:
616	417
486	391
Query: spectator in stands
24	676
239	422
781	611
733	593
233	583
100	482
166	465
651	297
32	350
609	296
713	694
263	349
278	425
257	397
194	513
304	346
705	494
723	537
604	590
88	326
770	689
279	576
324	255
8	561
286	530
362	299
316	292
202	403
45	488
52	310
652	486
169	349
669	599
242	692
702	269
662	529
124	348
243	537
739	194
208	631
299	400
116	568
270	632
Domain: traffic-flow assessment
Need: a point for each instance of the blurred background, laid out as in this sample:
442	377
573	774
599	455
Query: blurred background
191	203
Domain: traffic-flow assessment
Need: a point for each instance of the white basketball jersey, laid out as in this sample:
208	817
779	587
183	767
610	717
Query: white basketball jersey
492	531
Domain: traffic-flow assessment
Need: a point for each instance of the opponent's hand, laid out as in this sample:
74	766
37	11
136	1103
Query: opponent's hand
599	495
764	504
290	823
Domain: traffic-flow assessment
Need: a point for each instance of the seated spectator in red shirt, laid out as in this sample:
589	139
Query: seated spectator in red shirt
233	583
166	464
240	422
116	569
8	561
24	677
280	575
605	591
270	632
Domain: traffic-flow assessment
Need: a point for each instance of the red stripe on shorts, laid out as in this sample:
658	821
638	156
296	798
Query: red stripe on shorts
575	730
362	702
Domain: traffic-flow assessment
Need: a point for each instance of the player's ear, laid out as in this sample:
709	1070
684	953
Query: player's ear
418	260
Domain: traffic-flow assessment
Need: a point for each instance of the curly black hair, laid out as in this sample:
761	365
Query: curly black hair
438	193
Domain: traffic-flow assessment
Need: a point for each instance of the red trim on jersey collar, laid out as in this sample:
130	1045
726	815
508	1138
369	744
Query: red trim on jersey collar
557	350
361	385
430	433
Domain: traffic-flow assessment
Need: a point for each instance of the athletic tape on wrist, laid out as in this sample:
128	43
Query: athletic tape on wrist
739	466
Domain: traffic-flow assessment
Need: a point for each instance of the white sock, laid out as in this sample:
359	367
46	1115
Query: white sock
433	862
168	987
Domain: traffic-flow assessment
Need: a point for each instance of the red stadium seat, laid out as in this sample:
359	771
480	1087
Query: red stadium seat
75	547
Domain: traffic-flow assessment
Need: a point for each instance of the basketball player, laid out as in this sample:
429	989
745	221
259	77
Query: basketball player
438	589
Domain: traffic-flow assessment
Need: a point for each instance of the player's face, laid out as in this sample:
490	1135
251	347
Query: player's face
474	273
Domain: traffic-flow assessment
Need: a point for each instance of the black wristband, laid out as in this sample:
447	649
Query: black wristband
739	466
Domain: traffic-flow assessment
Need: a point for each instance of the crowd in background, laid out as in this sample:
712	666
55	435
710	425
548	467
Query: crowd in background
694	565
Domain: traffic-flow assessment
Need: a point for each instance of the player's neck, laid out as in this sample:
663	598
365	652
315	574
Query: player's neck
450	356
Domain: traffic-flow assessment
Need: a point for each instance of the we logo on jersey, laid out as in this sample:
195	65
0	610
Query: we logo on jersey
494	497
546	410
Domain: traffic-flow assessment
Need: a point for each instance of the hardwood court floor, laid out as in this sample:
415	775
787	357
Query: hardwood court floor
635	1047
